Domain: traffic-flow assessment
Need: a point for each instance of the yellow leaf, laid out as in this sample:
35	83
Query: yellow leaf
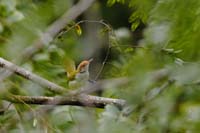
78	29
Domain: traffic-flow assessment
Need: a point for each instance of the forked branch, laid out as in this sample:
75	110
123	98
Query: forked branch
70	99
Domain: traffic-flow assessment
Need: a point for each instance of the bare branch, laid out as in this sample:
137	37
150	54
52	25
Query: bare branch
81	100
30	76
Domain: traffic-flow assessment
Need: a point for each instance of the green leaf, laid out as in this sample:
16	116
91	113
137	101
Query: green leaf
135	25
112	2
127	50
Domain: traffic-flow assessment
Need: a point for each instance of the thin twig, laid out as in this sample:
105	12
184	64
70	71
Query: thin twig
84	21
57	26
152	94
156	91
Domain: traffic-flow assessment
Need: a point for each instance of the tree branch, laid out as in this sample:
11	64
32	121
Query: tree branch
81	100
30	76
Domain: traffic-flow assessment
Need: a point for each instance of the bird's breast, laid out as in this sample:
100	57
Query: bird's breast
80	80
82	76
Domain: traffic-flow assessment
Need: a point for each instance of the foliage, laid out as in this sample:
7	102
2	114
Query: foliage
161	70
112	2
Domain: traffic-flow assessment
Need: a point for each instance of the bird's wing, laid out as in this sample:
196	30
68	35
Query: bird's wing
70	68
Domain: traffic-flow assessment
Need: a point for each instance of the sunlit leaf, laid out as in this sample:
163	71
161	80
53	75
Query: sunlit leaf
129	50
135	25
112	2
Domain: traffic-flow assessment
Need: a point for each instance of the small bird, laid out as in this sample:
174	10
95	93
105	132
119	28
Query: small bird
77	77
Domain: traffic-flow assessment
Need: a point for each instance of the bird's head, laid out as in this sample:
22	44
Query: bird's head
84	66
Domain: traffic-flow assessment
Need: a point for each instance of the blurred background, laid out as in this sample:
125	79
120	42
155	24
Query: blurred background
145	52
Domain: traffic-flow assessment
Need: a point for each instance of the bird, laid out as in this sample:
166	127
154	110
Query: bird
77	77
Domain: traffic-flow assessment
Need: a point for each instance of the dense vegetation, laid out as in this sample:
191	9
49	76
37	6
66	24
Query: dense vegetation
144	51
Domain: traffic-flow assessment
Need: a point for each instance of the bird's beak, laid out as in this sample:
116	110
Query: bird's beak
90	60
